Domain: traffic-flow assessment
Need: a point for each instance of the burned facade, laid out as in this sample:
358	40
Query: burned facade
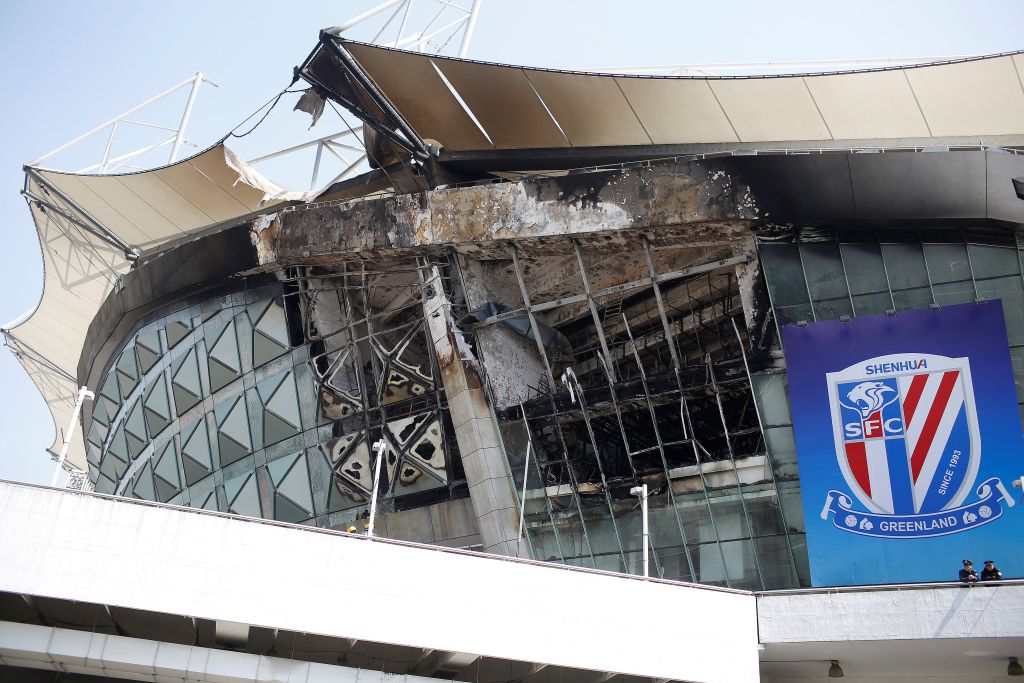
538	307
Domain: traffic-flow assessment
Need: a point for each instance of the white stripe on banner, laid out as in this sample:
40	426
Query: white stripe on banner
878	474
923	406
934	457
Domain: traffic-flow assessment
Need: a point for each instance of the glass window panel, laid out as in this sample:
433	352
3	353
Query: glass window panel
763	507
729	519
947	262
864	268
782	446
792	506
784	274
832	309
905	265
871	304
951	293
772	399
742	565
824	269
673	564
545	545
776	564
803	569
911	299
993	261
790	315
1017	358
1011	291
708	558
602	534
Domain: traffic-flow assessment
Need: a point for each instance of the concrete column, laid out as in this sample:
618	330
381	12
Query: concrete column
491	489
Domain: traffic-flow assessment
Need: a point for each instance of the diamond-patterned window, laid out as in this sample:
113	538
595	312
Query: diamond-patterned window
135	430
127	372
166	481
185	384
208	401
196	458
142	485
234	441
269	331
293	497
176	331
243	495
147	349
280	400
157	406
225	364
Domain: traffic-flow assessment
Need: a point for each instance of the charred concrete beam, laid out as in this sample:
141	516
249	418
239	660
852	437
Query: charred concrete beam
491	490
712	207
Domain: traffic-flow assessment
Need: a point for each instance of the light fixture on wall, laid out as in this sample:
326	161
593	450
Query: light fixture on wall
835	671
1014	668
1018	188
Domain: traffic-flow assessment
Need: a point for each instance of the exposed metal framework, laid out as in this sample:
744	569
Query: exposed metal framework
657	390
448	22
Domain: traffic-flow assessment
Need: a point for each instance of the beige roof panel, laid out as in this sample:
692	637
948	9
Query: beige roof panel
413	86
980	97
677	111
970	98
491	92
770	109
877	104
591	110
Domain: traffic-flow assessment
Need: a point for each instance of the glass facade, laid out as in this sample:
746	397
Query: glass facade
603	370
237	404
825	274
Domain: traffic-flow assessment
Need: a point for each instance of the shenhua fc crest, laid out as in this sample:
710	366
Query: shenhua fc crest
908	444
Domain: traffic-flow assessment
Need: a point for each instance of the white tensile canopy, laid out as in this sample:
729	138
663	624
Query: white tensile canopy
88	225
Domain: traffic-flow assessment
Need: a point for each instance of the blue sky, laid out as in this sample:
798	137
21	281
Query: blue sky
68	66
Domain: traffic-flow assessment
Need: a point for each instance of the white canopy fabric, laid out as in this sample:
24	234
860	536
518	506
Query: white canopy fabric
511	107
85	223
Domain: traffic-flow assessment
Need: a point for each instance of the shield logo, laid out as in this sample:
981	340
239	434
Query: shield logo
906	432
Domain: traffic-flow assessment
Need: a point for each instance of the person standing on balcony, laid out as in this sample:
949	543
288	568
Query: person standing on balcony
991	572
967	574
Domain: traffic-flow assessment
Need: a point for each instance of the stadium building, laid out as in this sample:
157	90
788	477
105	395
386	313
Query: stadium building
568	305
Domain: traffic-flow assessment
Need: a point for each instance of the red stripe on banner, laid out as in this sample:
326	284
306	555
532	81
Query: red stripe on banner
857	456
913	397
931	425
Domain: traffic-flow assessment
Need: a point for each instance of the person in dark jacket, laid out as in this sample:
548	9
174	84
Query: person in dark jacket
991	572
967	574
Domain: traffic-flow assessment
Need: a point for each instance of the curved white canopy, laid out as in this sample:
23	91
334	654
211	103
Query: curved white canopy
86	224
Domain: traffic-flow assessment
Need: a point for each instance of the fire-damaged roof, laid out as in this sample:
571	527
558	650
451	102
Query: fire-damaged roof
501	116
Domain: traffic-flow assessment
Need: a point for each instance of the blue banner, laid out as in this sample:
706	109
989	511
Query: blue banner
908	440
